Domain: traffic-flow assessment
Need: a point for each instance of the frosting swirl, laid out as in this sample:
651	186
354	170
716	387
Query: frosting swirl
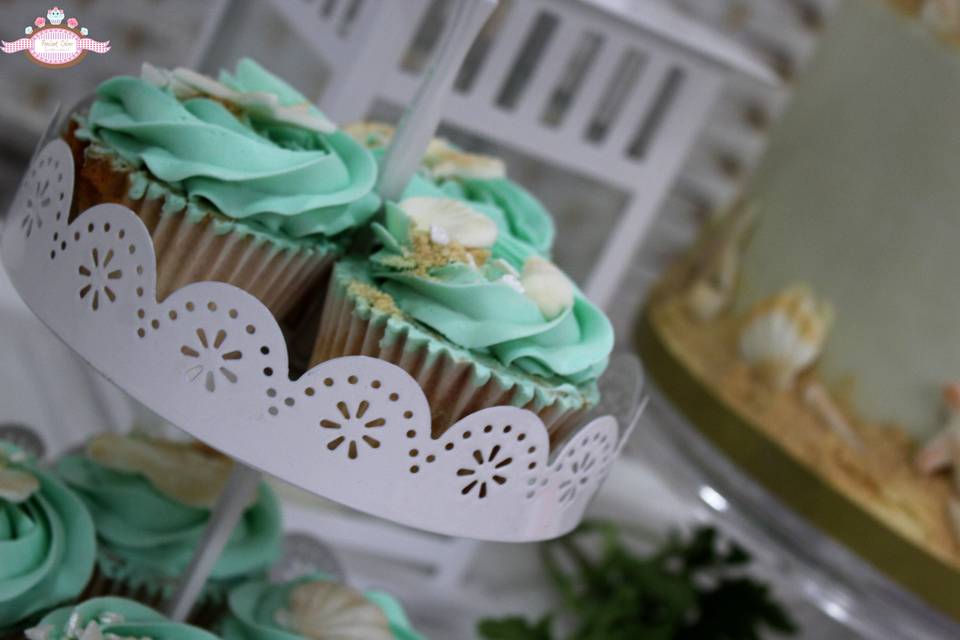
480	180
113	618
478	300
146	535
261	611
249	158
47	543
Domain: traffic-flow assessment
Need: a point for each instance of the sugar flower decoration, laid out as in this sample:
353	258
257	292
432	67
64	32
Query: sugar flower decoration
187	472
83	31
72	23
185	83
28	30
39	22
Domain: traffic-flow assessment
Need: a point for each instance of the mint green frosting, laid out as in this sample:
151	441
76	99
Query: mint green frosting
516	211
124	618
288	179
472	308
525	218
253	609
147	538
47	546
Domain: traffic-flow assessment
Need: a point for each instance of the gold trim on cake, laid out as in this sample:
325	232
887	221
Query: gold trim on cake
871	500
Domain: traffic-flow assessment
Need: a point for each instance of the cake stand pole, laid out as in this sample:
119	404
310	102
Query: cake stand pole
399	164
230	506
419	122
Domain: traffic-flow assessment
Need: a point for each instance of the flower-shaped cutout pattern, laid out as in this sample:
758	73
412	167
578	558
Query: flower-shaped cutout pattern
353	428
211	355
98	274
44	194
580	471
491	469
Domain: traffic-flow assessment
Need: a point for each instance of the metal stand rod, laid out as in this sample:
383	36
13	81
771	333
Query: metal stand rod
420	121
230	506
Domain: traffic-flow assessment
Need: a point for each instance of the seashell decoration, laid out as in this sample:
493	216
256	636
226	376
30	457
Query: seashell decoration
717	263
460	223
185	83
942	451
544	283
784	334
372	135
819	400
324	610
187	472
15	485
443	160
942	17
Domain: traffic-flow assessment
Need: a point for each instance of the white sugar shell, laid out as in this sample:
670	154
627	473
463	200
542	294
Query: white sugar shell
328	611
187	83
446	161
784	334
547	285
373	135
182	471
16	485
462	224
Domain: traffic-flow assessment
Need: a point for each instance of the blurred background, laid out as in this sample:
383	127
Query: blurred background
740	55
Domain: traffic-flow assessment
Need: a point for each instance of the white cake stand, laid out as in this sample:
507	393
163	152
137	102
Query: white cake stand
212	360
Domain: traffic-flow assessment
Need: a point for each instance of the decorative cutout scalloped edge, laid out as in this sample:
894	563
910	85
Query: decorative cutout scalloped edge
210	358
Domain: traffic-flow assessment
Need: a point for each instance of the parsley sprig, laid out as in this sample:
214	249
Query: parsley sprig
692	588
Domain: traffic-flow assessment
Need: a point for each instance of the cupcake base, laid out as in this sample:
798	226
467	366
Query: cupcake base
208	610
455	382
194	247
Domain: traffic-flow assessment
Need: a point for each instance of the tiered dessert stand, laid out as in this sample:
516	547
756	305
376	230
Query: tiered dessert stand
212	360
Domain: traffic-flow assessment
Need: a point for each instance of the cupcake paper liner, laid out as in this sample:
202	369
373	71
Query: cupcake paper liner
191	248
208	610
455	384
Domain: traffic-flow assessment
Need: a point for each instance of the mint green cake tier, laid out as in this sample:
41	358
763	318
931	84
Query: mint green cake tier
117	617
146	539
47	546
457	381
253	610
259	202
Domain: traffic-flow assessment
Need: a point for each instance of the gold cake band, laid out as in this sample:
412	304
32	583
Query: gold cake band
794	483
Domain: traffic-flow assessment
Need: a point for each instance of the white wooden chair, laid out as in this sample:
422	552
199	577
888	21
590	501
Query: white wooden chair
613	90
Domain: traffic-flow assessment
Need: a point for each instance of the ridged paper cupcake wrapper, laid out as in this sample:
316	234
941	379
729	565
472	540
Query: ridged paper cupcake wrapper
455	385
209	608
194	248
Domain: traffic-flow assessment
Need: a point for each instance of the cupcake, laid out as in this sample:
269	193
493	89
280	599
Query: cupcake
112	618
239	180
480	180
151	501
313	606
477	318
47	543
